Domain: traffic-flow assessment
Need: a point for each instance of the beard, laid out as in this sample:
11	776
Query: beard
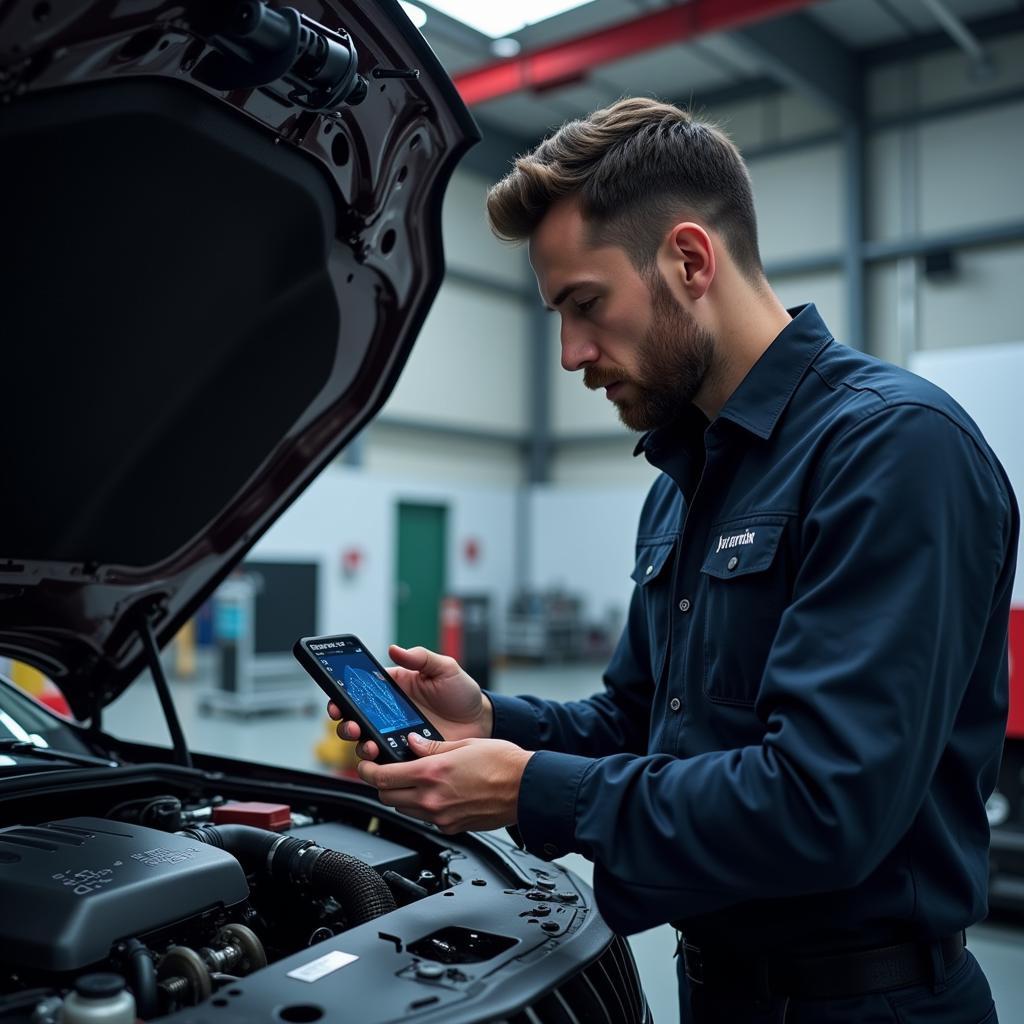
673	360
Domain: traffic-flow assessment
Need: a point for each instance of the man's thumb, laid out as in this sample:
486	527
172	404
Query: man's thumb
424	748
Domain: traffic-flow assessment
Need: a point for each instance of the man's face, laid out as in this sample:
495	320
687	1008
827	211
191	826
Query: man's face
627	332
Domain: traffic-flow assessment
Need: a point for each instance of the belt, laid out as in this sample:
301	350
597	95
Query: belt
832	976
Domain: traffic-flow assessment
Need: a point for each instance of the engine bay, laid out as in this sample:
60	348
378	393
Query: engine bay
181	898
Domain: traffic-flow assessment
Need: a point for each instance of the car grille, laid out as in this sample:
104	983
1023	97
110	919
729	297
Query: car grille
606	991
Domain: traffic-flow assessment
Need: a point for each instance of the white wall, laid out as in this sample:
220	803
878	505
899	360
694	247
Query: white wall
970	168
986	380
882	284
982	304
825	290
583	543
770	119
346	508
608	464
421	454
958	172
574	409
468	367
798	198
944	77
468	242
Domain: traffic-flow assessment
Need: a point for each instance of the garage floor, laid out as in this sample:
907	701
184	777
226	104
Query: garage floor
289	739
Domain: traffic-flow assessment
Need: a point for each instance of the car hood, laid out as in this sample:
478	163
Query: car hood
221	237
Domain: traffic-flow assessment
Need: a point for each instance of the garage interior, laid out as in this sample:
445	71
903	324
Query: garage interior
489	510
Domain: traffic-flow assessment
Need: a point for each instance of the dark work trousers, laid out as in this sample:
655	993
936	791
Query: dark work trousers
964	998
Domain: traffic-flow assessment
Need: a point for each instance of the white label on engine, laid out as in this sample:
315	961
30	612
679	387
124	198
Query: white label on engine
323	965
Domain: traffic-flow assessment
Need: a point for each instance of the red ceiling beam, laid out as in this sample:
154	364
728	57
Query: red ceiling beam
573	58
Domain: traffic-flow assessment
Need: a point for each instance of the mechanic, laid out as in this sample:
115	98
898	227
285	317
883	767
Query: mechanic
804	716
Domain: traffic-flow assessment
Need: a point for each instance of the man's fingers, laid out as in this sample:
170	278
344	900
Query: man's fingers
419	659
424	748
367	751
407	800
349	730
334	711
376	775
385	777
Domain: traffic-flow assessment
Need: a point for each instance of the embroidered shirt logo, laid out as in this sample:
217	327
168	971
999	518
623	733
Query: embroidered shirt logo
735	540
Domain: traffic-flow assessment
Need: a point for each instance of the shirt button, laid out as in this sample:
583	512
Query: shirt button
684	605
733	562
675	703
649	570
550	849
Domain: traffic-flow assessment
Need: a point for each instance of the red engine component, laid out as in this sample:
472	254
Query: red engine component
274	817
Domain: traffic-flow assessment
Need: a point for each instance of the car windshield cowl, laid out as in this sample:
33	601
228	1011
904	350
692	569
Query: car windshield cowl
28	748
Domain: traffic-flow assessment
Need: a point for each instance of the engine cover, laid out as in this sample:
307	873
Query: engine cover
71	888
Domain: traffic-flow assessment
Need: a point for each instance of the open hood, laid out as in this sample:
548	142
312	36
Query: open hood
221	235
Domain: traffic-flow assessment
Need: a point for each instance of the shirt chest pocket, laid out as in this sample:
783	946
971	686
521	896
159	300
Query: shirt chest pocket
747	576
653	575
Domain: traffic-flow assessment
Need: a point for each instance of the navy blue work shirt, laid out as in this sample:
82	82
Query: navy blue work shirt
804	715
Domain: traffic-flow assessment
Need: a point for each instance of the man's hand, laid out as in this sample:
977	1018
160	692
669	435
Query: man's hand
461	786
440	687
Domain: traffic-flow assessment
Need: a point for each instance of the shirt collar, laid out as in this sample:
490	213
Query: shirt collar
762	396
764	393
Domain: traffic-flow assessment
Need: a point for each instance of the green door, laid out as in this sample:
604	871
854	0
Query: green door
420	583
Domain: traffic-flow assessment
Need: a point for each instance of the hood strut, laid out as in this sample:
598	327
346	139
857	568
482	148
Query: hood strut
156	668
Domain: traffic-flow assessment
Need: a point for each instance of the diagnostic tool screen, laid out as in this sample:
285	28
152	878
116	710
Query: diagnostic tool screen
370	689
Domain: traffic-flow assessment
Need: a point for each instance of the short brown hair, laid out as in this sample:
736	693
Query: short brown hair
634	166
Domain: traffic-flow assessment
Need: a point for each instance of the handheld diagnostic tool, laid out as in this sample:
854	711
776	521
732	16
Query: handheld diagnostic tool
346	671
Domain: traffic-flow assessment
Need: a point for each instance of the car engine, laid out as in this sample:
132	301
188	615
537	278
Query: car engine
181	900
204	895
134	877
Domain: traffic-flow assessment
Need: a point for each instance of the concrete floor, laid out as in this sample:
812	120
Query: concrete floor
289	738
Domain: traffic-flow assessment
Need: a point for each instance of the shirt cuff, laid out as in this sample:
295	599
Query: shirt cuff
515	720
547	802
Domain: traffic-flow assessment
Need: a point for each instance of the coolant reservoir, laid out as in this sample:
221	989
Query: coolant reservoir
99	999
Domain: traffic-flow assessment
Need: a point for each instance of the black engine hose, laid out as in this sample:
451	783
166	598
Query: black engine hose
361	892
142	978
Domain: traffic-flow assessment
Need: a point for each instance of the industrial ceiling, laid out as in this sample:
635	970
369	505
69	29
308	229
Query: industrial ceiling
701	52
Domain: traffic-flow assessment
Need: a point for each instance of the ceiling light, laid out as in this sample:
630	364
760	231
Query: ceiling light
505	47
415	14
502	19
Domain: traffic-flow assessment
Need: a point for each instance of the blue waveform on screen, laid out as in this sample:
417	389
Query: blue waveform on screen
385	709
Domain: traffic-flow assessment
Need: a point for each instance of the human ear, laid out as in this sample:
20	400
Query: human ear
693	258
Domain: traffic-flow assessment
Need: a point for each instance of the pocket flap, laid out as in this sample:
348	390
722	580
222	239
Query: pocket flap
737	549
651	559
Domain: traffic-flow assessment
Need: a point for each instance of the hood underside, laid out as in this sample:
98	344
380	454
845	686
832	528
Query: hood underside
211	284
